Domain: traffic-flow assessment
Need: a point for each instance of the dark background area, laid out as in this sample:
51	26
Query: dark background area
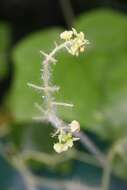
27	16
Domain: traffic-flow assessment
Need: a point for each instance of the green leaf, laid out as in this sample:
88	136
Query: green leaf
4	44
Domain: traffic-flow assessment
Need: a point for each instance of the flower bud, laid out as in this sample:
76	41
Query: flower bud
67	35
59	147
74	126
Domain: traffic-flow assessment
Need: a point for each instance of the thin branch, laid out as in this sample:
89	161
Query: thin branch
86	142
35	86
46	56
39	108
30	181
47	159
87	158
48	88
62	104
55	159
107	171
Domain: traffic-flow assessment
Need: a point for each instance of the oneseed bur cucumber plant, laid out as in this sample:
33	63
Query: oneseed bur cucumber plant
74	43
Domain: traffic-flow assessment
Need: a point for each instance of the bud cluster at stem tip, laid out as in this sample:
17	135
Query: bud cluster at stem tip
77	41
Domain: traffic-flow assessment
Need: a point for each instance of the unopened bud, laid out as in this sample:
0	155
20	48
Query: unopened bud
74	126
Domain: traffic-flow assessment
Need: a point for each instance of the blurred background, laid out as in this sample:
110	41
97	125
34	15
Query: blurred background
95	82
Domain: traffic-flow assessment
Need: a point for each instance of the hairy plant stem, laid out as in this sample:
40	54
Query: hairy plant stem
50	108
46	68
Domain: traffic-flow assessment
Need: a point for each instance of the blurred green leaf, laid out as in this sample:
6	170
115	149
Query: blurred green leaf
32	136
4	43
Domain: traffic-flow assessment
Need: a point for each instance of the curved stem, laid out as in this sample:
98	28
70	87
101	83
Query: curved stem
50	107
44	158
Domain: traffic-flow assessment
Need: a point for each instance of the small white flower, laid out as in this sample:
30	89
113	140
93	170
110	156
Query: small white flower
67	35
74	126
59	147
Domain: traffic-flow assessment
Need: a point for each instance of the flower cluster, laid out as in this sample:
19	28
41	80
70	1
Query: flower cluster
76	41
65	138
